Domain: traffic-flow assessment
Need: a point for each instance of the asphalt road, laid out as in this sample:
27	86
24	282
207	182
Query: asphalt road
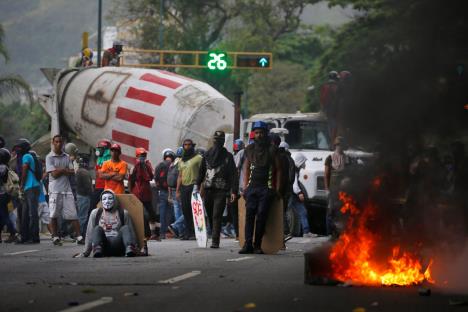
178	276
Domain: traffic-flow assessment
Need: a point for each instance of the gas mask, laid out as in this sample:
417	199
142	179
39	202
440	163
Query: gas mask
108	200
99	151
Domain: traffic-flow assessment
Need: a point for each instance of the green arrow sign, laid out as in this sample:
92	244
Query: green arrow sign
263	62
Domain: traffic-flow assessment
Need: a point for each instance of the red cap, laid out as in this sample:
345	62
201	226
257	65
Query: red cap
104	143
116	146
139	151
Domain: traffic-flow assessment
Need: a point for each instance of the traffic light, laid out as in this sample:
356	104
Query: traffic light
217	61
253	60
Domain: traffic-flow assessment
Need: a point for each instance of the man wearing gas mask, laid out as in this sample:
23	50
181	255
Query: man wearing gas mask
219	177
110	230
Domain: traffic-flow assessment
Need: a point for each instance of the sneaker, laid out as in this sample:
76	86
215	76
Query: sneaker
247	249
130	251
80	240
155	237
287	237
13	238
56	241
309	235
97	252
258	251
173	231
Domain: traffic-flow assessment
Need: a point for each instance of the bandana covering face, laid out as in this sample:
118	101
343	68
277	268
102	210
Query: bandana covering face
104	157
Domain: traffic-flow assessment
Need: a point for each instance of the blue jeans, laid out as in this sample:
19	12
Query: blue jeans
163	212
4	216
300	209
179	223
83	204
30	216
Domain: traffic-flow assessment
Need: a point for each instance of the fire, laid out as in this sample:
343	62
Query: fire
353	259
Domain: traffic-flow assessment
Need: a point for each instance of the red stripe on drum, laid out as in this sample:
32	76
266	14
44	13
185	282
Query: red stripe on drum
129	139
128	159
134	117
176	75
160	81
145	96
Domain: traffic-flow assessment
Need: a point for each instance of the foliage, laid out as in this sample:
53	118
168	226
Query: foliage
403	56
20	121
283	76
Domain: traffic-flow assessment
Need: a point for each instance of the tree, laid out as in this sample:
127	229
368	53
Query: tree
281	90
403	56
12	85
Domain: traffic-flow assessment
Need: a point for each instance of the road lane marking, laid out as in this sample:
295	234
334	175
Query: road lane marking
19	252
239	259
180	277
89	305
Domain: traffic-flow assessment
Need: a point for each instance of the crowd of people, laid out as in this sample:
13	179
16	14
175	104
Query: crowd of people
59	192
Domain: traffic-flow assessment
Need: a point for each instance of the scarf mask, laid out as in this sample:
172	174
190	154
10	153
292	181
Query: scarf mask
215	155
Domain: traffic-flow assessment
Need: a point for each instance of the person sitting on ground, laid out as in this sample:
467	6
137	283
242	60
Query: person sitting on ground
110	230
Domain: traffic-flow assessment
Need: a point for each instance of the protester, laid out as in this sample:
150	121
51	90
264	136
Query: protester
29	185
103	154
262	181
233	208
110	230
86	59
189	167
84	191
335	164
111	57
114	171
5	197
296	201
160	179
178	227
139	185
61	200
219	178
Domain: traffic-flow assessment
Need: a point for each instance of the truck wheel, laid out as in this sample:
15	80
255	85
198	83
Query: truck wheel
294	222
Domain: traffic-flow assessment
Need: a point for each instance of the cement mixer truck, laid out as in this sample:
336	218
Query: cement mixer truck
153	109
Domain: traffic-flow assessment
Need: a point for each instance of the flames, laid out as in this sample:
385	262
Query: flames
353	256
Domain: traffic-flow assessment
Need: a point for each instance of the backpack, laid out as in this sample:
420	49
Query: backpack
37	168
12	184
172	175
99	214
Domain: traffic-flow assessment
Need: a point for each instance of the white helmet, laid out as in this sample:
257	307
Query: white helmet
168	152
71	149
299	160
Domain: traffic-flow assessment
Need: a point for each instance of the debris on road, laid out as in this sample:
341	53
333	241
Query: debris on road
250	305
130	294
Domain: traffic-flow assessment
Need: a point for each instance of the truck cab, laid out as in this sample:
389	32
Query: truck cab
306	133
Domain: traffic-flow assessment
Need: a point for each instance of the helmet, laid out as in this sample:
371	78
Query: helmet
22	145
284	145
333	75
299	160
71	149
116	147
88	53
179	151
344	74
238	145
140	151
5	156
104	143
200	151
168	153
219	135
117	43
259	125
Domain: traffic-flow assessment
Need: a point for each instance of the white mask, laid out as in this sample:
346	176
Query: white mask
107	201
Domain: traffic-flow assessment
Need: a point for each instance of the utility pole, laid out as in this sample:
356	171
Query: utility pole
237	105
99	39
161	24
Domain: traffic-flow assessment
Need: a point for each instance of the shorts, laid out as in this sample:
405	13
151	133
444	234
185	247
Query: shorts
44	213
62	204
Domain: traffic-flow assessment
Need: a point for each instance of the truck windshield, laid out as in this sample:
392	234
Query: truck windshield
307	134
